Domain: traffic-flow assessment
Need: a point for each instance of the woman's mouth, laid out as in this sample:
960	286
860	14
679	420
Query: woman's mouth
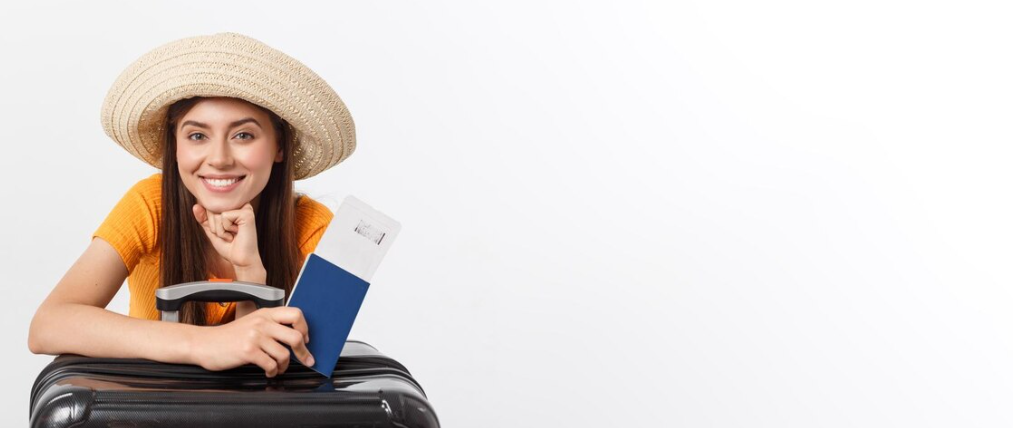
221	184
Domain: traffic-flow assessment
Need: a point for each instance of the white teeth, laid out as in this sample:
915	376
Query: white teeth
221	182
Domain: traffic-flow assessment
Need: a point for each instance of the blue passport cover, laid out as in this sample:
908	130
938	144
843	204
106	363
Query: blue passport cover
329	298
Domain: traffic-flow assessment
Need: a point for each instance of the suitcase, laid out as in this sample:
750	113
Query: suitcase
366	389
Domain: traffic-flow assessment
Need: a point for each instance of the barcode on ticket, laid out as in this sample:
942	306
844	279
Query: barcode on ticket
369	232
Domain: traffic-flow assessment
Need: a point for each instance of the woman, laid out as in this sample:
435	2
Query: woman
232	123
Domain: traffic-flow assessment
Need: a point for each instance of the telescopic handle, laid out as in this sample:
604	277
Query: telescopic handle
170	299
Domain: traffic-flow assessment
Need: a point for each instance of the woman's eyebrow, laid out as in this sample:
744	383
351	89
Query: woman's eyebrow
194	123
242	121
231	125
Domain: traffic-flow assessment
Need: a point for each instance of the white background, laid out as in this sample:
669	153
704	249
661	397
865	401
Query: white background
705	214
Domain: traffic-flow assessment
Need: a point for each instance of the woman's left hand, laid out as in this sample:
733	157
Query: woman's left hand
233	234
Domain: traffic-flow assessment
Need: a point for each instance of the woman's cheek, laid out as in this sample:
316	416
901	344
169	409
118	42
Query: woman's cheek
259	157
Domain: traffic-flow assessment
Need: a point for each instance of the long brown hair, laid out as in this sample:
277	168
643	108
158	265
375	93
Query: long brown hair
183	242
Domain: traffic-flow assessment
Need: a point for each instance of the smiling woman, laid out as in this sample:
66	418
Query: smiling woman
231	123
226	152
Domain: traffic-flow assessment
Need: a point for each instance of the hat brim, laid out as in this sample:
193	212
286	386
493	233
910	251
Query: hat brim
228	65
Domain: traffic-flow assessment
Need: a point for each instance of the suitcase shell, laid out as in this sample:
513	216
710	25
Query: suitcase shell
366	389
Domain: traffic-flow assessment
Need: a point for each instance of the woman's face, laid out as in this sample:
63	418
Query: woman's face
225	148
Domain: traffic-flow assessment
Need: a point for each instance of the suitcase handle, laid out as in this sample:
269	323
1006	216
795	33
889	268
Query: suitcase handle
170	299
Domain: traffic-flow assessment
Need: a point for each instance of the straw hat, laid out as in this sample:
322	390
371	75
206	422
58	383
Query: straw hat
228	65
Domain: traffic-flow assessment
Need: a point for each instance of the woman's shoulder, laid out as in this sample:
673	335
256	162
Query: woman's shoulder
150	187
144	195
311	220
311	211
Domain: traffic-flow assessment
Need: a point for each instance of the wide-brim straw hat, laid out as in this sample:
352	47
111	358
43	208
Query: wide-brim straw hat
228	65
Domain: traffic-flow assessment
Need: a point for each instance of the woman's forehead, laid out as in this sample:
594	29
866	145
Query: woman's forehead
222	109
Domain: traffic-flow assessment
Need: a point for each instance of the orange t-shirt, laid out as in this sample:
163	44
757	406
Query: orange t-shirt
132	229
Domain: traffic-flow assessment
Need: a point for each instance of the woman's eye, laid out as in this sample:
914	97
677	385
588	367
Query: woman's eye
244	136
196	136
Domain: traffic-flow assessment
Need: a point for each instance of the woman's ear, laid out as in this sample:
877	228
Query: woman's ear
280	156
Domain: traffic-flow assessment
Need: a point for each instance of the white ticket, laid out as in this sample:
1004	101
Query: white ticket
357	238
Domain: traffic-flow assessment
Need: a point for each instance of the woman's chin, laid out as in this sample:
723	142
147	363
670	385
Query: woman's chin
220	206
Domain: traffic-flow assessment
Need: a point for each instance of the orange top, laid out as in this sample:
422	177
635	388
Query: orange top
132	229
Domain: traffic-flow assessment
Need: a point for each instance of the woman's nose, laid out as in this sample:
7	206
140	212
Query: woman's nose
220	156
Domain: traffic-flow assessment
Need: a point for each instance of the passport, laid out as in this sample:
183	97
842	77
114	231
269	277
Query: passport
330	298
334	278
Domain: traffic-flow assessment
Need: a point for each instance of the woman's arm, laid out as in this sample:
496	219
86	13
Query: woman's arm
73	319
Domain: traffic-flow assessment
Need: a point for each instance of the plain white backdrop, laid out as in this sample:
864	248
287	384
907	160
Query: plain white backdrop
702	214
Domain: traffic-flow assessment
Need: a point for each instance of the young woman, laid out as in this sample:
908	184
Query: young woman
231	123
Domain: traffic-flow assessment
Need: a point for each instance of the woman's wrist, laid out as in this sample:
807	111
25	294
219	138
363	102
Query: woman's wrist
186	349
254	274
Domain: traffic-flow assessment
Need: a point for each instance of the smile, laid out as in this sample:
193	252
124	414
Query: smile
221	184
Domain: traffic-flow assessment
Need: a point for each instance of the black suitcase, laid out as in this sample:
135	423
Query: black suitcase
366	389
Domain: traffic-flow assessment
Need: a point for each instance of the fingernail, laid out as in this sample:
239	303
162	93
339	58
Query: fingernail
309	361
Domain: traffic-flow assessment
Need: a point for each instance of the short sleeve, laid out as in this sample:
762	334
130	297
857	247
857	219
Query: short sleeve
132	226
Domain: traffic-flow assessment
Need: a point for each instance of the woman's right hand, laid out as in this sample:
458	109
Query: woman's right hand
256	338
